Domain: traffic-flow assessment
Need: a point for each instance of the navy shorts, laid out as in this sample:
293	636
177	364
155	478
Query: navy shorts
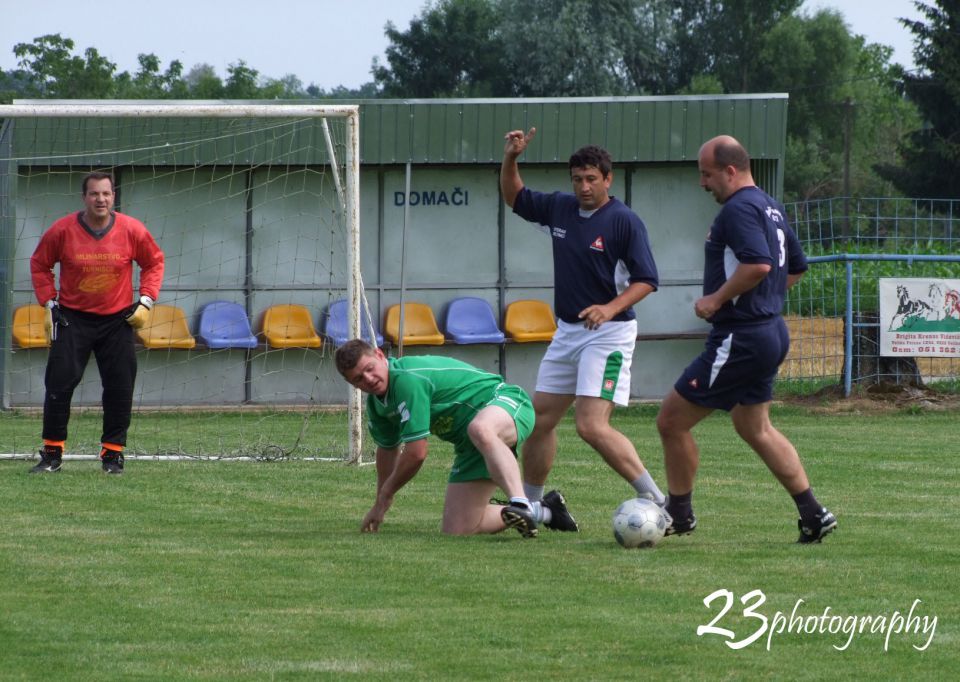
737	367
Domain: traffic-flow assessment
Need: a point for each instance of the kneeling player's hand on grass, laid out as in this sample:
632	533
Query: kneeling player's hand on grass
371	522
373	519
139	312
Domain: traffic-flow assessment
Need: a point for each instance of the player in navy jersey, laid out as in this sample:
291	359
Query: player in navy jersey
602	267
752	258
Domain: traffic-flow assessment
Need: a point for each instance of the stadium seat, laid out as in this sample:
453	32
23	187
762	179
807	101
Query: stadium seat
224	324
290	326
528	321
166	327
337	329
471	320
419	325
28	327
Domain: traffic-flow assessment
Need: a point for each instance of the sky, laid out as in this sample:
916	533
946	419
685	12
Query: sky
320	41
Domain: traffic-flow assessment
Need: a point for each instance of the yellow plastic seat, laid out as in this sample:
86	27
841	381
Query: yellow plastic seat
166	327
289	326
28	327
419	325
528	321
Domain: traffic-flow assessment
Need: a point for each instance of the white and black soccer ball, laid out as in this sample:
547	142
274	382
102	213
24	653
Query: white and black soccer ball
639	523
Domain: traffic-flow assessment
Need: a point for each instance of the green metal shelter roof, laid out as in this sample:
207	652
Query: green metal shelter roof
632	129
454	131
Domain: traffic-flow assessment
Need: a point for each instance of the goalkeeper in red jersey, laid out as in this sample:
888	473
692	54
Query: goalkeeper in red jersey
93	311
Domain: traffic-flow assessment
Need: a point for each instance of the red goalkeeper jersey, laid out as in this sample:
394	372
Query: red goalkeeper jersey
96	271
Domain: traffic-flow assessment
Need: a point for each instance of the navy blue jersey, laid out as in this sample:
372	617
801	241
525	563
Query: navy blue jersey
751	228
594	258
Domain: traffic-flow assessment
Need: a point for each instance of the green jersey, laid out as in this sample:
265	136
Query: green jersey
429	394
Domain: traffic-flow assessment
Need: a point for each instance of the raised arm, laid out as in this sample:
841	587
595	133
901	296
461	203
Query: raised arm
510	181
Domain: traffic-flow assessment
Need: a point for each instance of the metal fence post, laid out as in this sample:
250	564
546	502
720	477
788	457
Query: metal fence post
848	334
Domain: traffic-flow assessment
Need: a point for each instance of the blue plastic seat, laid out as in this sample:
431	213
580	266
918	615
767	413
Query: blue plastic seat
224	324
337	329
471	320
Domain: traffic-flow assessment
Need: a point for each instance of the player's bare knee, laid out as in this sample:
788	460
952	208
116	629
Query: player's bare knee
481	433
668	425
457	527
592	430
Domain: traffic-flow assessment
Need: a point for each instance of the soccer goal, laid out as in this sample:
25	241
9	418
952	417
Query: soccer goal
256	208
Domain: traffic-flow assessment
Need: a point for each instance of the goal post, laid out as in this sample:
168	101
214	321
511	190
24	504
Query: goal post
254	205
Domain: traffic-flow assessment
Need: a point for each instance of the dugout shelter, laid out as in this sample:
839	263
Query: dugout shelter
239	226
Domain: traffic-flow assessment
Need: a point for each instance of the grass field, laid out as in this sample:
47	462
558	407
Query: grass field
243	570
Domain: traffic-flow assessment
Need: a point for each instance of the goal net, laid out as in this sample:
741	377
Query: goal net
256	210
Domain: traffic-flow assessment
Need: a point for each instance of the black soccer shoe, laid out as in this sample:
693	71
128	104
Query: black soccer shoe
822	525
521	518
561	519
684	527
111	461
51	457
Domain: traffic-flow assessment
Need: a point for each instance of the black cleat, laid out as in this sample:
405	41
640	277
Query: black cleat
111	461
822	525
560	517
51	457
521	518
684	527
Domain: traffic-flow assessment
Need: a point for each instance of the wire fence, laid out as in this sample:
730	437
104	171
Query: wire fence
833	313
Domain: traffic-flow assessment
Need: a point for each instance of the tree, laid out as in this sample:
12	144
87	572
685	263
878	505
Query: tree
844	103
204	83
149	83
13	84
241	82
452	49
931	154
723	38
587	47
53	71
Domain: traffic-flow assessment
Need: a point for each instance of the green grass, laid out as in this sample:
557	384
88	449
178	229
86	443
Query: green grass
242	570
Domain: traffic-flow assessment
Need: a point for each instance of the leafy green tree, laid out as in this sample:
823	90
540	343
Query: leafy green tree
149	83
844	104
204	83
452	49
52	69
723	38
587	47
13	84
242	82
288	87
931	154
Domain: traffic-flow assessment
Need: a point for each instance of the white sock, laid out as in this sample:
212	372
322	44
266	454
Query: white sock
533	492
541	513
521	502
646	484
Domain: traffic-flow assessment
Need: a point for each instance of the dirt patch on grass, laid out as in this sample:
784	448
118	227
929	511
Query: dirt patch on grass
877	398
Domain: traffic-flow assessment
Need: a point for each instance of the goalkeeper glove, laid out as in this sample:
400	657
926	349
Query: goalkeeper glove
138	313
50	319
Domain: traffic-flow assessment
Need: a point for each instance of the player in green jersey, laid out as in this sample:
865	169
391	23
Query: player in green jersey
484	418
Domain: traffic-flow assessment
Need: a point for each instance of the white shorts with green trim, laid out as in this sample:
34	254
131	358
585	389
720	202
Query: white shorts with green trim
589	362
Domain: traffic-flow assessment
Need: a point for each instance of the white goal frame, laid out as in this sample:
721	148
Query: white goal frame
349	190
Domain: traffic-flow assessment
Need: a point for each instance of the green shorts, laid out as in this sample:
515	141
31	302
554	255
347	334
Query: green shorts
468	464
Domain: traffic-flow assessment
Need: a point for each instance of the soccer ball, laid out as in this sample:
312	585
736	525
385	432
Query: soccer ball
639	523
